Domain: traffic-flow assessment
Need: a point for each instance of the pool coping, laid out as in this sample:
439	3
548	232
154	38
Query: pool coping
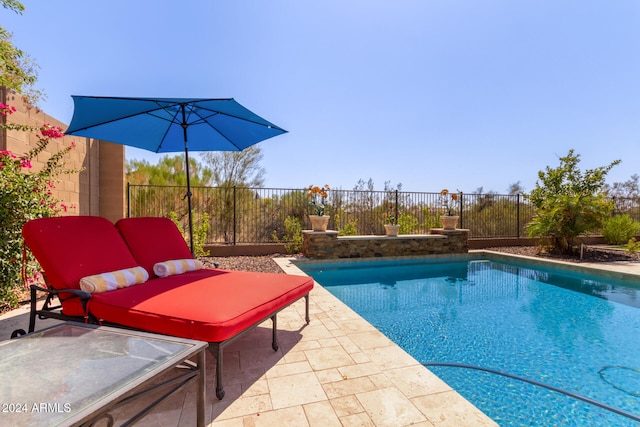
622	270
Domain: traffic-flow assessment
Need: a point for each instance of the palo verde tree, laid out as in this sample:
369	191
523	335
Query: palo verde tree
568	203
235	173
239	168
170	170
170	173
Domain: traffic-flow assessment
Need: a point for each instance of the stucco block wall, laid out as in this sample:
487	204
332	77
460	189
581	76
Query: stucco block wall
98	189
112	181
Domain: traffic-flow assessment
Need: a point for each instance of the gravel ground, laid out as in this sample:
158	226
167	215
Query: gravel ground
592	253
264	264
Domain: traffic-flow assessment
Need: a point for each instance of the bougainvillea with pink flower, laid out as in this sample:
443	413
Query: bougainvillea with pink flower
25	194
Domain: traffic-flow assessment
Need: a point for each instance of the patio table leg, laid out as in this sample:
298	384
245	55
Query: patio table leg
202	389
274	334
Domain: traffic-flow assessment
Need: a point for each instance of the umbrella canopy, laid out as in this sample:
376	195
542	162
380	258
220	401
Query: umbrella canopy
169	125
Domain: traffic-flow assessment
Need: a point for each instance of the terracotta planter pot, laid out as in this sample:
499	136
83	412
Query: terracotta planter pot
391	230
449	222
319	223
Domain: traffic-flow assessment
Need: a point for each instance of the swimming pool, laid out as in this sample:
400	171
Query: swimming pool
572	331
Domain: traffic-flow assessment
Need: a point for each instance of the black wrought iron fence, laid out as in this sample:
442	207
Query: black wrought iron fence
238	215
627	205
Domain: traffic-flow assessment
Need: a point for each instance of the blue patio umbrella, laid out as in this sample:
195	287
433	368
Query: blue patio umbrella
169	125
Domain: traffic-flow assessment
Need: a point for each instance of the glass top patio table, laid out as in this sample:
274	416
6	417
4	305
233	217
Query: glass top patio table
68	373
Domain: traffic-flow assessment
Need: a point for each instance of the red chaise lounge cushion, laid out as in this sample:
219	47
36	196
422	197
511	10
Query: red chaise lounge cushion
70	248
153	240
211	304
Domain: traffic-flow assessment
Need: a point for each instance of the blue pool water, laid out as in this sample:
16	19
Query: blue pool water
569	330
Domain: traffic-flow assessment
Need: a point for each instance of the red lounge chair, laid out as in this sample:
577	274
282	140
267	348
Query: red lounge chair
212	305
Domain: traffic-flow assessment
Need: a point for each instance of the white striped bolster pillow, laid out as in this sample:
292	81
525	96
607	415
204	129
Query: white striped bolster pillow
113	280
176	266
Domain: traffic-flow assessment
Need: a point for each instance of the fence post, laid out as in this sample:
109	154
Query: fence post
518	215
396	205
461	194
235	224
128	200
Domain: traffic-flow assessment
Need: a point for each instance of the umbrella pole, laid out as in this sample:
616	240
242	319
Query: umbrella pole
186	158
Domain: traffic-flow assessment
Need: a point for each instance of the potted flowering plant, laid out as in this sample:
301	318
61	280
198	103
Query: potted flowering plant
391	216
318	204
449	216
391	225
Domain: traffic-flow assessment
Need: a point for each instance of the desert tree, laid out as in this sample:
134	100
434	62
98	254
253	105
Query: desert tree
569	203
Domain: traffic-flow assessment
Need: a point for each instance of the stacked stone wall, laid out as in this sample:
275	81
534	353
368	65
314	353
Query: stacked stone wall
328	245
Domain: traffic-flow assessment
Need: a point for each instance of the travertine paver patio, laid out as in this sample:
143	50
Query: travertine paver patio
336	371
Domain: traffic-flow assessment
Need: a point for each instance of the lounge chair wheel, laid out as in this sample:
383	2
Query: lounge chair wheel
219	393
18	333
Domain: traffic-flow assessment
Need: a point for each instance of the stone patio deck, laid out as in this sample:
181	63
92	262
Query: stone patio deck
336	371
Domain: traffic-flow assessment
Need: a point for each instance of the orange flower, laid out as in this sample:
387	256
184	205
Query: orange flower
315	192
448	201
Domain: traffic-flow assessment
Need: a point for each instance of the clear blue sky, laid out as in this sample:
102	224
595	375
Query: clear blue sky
432	94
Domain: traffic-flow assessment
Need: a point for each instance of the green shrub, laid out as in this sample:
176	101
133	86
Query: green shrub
292	238
568	203
633	246
200	230
348	229
408	223
619	229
